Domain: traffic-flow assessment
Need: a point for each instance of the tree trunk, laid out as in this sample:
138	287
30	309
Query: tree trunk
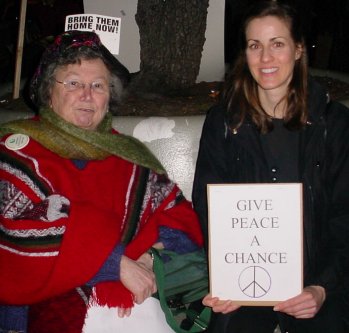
172	35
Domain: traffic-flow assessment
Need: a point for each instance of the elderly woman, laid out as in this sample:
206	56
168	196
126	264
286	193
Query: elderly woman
80	204
277	125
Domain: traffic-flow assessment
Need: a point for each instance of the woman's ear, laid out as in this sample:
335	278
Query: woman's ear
299	51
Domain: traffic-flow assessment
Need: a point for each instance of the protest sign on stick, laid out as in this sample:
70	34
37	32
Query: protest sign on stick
107	28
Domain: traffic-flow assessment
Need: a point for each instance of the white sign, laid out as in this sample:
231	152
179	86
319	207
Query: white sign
106	27
255	242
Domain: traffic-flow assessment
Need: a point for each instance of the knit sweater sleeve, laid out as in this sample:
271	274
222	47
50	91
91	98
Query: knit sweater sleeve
110	270
13	318
172	239
176	240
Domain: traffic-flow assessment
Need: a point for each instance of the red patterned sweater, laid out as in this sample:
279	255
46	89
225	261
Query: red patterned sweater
58	223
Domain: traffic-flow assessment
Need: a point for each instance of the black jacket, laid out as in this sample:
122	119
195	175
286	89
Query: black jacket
226	157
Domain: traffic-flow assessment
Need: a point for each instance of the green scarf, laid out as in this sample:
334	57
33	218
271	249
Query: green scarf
70	141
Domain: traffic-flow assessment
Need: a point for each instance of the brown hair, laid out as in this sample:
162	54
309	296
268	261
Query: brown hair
241	94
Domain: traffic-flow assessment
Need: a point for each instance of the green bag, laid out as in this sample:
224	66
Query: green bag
182	279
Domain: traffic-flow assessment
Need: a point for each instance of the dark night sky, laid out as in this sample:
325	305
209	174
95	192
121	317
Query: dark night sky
327	30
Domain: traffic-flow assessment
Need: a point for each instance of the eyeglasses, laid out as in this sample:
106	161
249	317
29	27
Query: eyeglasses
97	87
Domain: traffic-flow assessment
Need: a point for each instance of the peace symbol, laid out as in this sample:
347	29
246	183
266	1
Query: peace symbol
254	281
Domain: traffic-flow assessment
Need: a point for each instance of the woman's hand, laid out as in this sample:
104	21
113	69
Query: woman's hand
146	260
138	278
158	245
218	305
124	312
305	305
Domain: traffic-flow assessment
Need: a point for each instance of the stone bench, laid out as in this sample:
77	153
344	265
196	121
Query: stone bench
174	140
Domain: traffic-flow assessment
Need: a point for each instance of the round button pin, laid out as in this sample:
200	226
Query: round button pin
16	141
